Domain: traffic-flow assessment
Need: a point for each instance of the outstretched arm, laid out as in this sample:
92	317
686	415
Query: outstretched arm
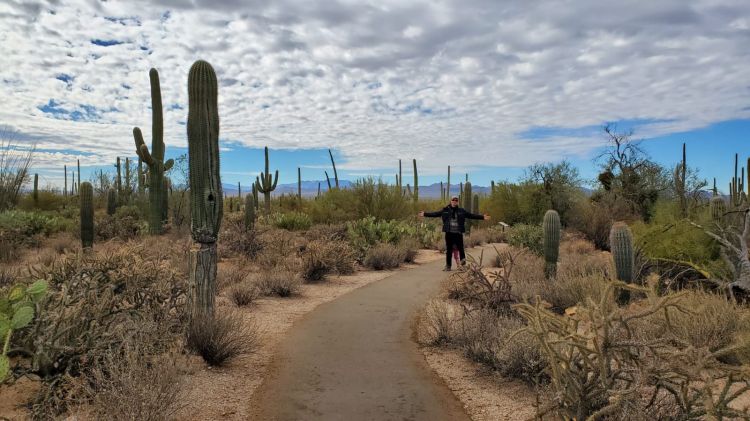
470	215
430	214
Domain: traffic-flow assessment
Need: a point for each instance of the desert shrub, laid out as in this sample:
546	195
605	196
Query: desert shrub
97	302
594	217
292	221
230	274
278	246
63	242
328	232
384	256
235	240
575	244
476	237
224	336
496	341
28	224
597	368
333	206
46	201
379	200
365	233
528	236
127	385
279	282
409	247
436	323
494	235
243	293
125	224
322	257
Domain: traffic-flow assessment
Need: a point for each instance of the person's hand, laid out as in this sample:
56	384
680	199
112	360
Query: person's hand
486	217
421	214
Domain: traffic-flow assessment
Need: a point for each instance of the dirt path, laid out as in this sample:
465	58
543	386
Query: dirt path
354	359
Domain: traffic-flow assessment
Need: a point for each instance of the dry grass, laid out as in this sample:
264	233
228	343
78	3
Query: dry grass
222	337
127	385
230	274
384	256
243	293
64	243
322	257
279	282
436	323
409	247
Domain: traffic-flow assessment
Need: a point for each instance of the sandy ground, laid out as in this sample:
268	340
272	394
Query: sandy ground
223	393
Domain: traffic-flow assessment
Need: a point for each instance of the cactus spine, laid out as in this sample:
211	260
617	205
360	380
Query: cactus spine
87	214
36	189
416	181
111	201
249	212
335	174
551	242
205	186
265	185
155	158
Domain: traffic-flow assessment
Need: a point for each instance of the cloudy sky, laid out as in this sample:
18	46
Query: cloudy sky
485	86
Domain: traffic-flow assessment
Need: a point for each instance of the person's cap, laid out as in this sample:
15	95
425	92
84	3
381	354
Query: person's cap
454	197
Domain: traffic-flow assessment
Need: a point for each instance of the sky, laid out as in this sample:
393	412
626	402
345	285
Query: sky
488	87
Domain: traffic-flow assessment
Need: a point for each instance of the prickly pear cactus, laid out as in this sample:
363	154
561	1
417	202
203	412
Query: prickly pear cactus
87	214
551	242
16	312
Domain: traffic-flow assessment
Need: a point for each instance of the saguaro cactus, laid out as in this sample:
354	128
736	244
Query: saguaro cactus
86	194
621	245
141	176
680	180
155	158
448	184
35	195
205	185
551	242
335	174
119	176
718	208
416	181
264	184
111	201
166	185
78	186
299	184
65	188
249	212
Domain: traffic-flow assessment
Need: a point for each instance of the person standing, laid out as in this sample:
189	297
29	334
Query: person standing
454	226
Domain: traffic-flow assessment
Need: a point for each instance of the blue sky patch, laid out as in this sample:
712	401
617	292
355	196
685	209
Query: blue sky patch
106	42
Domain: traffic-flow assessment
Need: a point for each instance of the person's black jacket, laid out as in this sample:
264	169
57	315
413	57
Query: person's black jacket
461	215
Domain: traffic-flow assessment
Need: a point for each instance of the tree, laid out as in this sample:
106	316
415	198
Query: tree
629	174
560	186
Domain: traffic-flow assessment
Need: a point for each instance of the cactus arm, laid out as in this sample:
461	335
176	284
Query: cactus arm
335	174
275	180
157	120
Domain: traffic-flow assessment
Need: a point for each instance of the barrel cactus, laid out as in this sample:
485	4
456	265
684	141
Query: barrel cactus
111	201
551	242
154	159
206	207
86	195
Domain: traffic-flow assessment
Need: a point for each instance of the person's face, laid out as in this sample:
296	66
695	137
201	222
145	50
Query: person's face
454	202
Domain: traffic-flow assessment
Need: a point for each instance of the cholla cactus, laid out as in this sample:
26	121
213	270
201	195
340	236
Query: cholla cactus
87	214
551	240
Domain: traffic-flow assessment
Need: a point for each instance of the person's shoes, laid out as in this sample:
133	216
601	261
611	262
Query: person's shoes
463	262
447	269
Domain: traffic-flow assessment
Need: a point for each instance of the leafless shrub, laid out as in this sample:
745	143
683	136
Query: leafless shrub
230	274
476	237
322	257
63	243
436	323
277	246
492	290
224	336
383	256
328	232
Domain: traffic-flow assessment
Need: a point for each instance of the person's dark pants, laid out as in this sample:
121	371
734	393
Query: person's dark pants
453	239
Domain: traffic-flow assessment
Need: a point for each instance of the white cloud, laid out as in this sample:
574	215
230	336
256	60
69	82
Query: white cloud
445	82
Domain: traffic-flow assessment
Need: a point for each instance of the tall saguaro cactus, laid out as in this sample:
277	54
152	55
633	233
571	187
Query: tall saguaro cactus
111	201
448	184
299	184
249	212
416	181
551	242
206	207
335	174
86	194
36	189
155	158
265	184
119	176
680	180
621	245
65	187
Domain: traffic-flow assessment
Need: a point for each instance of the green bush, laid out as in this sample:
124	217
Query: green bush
28	224
366	232
528	236
292	221
384	256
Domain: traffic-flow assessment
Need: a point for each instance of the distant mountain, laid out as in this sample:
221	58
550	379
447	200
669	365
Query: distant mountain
310	189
